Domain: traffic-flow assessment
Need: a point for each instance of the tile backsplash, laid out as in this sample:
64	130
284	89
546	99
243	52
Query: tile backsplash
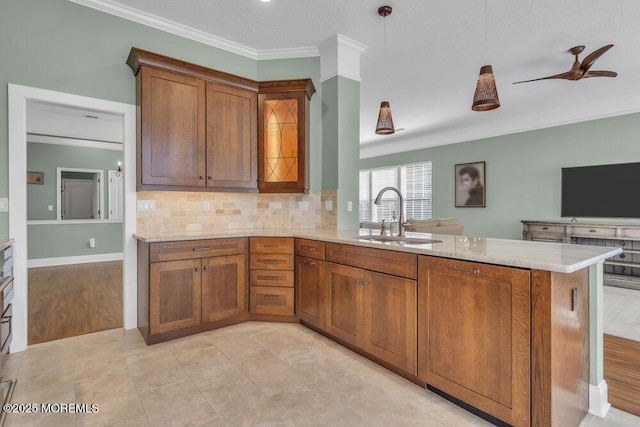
178	211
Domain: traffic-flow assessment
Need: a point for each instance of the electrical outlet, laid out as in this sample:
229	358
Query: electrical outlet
328	205
303	206
206	206
349	206
146	205
50	208
92	242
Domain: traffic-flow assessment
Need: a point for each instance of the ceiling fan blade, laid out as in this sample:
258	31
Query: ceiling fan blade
556	76
593	57
599	74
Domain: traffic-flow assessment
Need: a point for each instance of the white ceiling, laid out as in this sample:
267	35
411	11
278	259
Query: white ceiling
435	50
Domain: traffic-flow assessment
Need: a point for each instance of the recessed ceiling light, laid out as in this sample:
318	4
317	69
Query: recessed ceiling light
265	1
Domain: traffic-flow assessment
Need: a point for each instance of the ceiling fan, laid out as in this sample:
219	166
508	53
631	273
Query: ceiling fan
580	70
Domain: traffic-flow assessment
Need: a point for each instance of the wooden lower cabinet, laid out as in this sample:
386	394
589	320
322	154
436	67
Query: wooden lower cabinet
174	295
373	311
474	335
310	294
223	288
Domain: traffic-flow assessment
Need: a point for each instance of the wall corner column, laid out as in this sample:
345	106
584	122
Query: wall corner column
340	79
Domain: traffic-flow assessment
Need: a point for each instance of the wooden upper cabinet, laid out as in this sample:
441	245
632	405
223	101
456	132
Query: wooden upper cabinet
197	127
231	137
172	135
283	136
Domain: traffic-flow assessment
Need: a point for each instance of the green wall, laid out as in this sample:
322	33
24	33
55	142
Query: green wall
66	47
523	170
47	158
65	240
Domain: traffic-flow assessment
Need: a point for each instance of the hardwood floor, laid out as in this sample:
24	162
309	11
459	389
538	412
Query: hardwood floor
622	373
71	300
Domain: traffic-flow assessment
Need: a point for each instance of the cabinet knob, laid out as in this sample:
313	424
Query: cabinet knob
196	269
209	178
366	283
205	268
358	281
201	177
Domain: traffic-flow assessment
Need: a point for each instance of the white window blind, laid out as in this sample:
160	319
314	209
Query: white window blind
414	180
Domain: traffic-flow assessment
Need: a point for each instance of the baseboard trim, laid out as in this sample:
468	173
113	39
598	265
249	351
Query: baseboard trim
599	399
81	259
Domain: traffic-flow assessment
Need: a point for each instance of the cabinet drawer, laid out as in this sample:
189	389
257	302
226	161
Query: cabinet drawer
546	229
271	262
271	245
310	248
271	278
632	233
271	300
193	249
382	261
593	231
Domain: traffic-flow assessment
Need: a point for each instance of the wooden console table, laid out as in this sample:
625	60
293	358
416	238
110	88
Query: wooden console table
622	270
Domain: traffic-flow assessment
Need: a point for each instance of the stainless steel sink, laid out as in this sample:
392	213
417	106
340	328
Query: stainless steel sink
399	240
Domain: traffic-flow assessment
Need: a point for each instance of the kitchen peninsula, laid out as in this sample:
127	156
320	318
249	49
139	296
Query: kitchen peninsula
500	326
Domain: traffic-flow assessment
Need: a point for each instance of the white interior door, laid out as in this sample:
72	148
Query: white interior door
116	195
77	199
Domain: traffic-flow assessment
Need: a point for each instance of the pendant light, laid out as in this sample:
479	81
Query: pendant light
384	125
485	97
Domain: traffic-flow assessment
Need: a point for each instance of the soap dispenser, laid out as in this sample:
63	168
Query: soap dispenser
394	227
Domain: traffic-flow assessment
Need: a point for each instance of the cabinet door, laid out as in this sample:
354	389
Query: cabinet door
310	305
223	288
174	295
390	327
231	137
172	128
282	148
474	335
345	301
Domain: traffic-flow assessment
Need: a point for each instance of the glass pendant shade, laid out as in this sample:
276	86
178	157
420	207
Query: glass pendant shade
385	122
486	95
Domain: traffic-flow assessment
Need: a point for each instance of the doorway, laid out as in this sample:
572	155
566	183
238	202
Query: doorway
19	99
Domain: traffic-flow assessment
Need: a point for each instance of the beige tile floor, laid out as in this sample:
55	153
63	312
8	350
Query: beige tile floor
622	312
248	374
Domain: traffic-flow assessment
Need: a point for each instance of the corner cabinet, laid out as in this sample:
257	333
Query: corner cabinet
283	136
197	127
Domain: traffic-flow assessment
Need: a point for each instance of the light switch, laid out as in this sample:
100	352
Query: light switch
328	205
4	204
303	206
349	206
146	205
92	242
206	206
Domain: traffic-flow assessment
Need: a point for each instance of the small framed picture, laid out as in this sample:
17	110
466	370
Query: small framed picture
35	178
470	185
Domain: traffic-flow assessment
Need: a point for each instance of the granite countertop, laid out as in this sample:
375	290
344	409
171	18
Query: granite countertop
556	257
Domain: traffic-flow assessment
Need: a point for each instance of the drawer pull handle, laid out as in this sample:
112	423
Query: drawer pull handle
201	249
475	271
270	245
304	261
308	248
271	296
593	231
545	228
268	278
574	299
272	261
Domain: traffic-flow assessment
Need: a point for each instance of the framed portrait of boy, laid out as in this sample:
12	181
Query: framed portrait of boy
471	185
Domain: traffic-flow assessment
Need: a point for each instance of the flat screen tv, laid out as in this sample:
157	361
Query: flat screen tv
606	191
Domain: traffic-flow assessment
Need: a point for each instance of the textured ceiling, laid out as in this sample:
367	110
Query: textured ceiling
435	50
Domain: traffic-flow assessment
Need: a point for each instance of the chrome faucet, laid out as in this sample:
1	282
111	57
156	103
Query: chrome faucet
400	218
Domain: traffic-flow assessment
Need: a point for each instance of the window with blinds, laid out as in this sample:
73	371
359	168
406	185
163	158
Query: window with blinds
413	180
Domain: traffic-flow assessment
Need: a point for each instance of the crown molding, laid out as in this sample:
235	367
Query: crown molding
135	15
